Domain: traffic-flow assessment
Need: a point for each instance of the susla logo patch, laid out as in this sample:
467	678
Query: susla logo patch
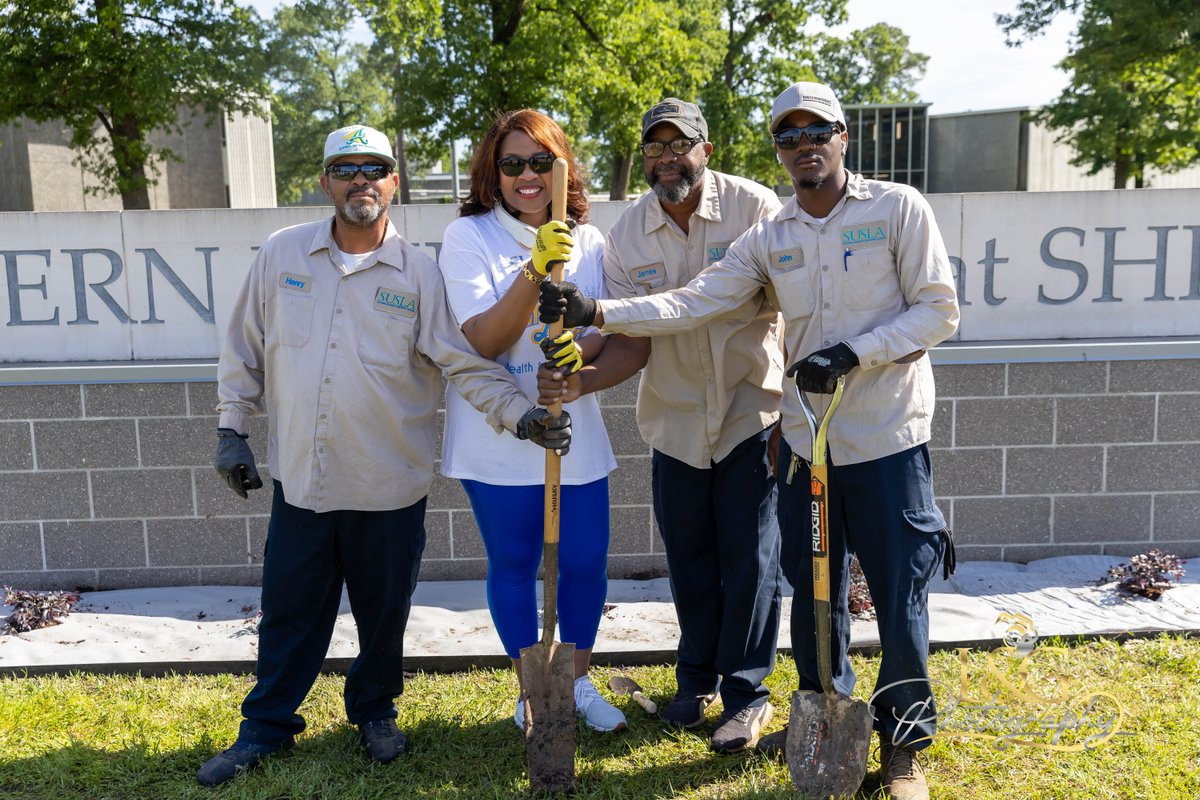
868	234
299	283
716	251
396	302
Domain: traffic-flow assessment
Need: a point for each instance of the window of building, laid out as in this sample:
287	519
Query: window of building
888	142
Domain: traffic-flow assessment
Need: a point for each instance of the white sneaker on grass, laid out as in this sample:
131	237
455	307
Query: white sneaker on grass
598	713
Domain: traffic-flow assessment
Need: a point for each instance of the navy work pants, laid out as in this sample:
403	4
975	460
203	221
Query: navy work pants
883	511
309	556
722	541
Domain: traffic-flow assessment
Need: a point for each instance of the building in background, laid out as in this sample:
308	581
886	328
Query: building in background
227	162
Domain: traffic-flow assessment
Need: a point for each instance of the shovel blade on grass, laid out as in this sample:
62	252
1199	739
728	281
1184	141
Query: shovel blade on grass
548	676
829	737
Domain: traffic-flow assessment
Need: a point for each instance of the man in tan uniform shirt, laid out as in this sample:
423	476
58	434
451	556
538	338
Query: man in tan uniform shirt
707	403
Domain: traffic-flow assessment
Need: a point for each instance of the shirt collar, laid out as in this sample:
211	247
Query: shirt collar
389	252
709	207
523	234
857	188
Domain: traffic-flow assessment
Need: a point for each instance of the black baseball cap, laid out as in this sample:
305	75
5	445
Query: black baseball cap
680	113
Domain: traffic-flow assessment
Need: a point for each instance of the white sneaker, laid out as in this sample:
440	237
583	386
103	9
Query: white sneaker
519	714
598	713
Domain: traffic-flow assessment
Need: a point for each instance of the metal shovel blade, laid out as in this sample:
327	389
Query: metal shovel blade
829	736
548	675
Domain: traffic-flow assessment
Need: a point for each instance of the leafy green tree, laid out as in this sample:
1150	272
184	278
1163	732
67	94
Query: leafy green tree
1134	94
321	83
115	70
872	65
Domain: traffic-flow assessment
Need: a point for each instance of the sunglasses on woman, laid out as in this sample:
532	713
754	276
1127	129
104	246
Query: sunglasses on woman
540	163
818	134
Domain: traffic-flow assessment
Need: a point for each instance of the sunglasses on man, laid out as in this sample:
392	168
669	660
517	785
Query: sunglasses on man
680	147
540	163
346	172
819	134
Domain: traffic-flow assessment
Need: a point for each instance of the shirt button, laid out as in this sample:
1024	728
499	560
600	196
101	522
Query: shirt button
340	311
328	380
323	416
334	345
827	343
320	449
822	230
824	306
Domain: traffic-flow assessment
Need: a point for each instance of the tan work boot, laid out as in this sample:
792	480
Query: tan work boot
903	778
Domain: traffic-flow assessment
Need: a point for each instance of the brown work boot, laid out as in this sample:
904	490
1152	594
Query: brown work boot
903	778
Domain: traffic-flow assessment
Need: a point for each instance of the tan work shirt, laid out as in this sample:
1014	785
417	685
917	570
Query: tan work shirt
874	274
706	390
348	369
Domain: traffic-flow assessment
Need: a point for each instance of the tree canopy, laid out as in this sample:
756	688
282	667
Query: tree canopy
1133	100
114	70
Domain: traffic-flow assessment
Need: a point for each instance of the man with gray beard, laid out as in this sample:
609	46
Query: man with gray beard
707	405
340	336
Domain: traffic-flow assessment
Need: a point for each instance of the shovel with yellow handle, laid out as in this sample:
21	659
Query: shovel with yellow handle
829	734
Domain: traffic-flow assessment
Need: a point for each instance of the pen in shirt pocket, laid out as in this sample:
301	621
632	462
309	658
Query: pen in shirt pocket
846	260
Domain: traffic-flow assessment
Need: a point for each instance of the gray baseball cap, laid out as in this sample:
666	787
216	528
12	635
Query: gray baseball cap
805	96
680	113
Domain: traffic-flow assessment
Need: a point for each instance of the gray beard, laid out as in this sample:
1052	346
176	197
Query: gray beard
678	193
360	216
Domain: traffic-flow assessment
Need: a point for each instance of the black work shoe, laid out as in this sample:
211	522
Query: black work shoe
739	729
686	710
773	745
239	758
383	739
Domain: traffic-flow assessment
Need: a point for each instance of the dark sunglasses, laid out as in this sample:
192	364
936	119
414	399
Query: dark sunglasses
680	147
818	134
540	163
346	172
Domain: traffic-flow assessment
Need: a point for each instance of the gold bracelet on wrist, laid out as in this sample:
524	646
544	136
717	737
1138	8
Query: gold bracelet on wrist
532	276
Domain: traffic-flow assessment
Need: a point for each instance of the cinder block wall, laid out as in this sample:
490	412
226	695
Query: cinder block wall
111	486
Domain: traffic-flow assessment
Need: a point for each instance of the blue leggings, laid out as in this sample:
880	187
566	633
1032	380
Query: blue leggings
510	522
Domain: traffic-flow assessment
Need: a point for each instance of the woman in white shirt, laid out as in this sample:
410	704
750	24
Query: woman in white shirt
492	276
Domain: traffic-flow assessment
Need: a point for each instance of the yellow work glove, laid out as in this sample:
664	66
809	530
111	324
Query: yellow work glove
553	243
563	353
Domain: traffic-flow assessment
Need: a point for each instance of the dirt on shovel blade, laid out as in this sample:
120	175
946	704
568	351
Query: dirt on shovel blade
829	737
548	675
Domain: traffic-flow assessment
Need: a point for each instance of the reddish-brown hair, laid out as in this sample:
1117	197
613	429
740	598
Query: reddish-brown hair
485	175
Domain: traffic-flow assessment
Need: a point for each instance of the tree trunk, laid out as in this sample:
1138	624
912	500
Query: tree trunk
402	170
622	164
129	155
1121	171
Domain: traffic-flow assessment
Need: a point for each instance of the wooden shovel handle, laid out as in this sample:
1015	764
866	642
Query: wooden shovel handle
551	506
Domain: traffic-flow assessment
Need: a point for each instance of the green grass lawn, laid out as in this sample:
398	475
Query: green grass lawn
128	738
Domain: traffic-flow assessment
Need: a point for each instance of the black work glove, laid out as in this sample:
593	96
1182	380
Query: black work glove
235	462
566	301
818	373
552	433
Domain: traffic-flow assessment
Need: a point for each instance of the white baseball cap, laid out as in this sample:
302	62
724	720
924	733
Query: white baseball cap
805	96
358	140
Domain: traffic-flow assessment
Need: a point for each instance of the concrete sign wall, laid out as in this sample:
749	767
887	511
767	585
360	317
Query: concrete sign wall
138	285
